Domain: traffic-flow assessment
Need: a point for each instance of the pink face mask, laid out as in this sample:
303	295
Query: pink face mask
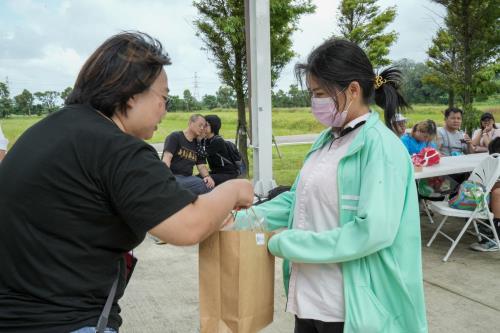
325	111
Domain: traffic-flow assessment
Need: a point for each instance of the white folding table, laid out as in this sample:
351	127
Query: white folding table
452	164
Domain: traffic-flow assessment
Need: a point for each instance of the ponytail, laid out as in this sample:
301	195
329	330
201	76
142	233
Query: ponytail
338	62
387	94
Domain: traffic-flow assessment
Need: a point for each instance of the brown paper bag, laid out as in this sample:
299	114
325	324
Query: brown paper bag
236	282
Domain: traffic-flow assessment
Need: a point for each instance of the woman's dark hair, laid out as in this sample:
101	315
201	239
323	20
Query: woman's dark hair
448	111
215	123
124	65
337	62
487	116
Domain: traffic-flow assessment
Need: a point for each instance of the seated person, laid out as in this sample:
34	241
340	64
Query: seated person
421	136
219	160
486	245
180	155
451	140
399	124
483	136
3	145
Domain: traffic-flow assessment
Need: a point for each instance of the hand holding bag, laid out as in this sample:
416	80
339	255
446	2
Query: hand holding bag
236	275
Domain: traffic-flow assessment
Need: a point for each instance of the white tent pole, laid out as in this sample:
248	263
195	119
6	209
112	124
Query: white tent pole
259	67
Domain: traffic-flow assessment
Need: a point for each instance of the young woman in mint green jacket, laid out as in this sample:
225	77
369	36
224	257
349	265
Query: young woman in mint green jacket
352	249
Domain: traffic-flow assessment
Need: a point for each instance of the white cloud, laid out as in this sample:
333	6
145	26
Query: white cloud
43	44
416	23
58	60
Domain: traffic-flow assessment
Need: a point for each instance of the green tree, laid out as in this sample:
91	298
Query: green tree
280	99
414	88
486	82
209	102
444	64
37	109
5	101
221	27
225	97
474	28
190	101
176	104
298	97
37	104
48	100
65	93
24	102
363	23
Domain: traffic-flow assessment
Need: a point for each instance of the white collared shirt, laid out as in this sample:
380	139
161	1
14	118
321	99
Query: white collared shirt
316	291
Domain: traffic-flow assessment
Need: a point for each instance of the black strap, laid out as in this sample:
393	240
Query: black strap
346	131
230	160
102	323
225	159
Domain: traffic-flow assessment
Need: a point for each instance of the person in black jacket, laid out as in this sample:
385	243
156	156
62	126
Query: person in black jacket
222	168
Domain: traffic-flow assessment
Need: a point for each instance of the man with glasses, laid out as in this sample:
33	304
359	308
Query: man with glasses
180	155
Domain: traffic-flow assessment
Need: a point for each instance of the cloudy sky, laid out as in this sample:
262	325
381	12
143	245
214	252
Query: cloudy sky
43	43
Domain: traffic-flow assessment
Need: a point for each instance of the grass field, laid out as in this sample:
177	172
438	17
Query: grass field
285	169
285	122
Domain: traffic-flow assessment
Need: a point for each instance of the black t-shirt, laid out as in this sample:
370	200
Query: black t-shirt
218	157
184	153
75	194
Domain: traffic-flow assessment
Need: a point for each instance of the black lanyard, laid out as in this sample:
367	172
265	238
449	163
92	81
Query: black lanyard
346	131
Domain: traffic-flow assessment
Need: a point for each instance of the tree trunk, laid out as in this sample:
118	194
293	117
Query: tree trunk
241	128
451	98
242	125
467	55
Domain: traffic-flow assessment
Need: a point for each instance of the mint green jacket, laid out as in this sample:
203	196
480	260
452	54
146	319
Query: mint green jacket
378	241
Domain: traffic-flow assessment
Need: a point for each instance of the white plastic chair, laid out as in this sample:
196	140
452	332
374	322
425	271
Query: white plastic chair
486	173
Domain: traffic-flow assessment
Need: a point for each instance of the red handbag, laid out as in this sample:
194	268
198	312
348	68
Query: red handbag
426	157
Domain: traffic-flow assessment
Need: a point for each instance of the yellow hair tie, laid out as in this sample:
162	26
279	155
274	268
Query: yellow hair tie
379	81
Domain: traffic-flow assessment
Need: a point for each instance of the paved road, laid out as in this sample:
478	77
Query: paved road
280	140
462	295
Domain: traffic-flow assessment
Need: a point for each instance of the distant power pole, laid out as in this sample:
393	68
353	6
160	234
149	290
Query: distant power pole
196	86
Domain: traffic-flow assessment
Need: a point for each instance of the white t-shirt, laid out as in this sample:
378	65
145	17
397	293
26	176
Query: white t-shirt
495	132
316	291
3	140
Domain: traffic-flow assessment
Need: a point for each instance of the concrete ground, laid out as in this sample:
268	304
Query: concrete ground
462	295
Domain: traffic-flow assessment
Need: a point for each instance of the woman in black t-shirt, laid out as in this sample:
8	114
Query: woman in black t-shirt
222	168
81	187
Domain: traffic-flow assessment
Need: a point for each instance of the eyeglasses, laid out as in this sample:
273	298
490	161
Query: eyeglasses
167	100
